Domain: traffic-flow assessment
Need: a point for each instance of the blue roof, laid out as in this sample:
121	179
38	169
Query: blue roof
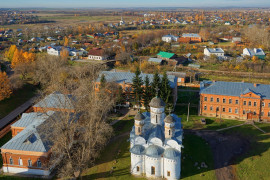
190	35
56	100
256	52
171	153
157	131
137	149
121	77
215	50
156	60
235	89
154	151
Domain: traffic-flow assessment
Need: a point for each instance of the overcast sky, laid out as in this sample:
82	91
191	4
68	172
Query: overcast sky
131	3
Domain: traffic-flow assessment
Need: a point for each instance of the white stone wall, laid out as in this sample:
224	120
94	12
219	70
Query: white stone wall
137	160
15	170
157	115
173	166
155	162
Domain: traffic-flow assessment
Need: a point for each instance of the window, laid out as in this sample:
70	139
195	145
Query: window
254	113
217	99
255	103
211	108
205	108
169	132
236	102
244	112
39	163
168	173
223	109
217	109
153	170
230	110
269	114
205	98
138	168
245	103
29	163
156	118
224	100
20	162
268	104
263	104
139	129
236	111
10	160
211	99
230	101
262	113
249	103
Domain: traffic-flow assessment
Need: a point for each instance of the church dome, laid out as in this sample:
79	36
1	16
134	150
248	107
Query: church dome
137	149
154	151
169	119
139	117
157	102
171	153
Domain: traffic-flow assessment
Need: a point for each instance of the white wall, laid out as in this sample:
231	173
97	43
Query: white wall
156	162
157	115
173	166
137	160
15	170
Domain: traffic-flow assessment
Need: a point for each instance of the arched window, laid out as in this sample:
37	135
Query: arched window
20	162
29	163
10	160
169	132
156	118
138	168
39	163
153	170
139	129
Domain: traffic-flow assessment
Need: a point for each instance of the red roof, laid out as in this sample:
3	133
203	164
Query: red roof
96	52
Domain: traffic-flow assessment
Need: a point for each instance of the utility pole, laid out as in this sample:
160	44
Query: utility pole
188	112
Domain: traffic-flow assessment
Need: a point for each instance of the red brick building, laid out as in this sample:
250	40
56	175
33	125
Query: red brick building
189	38
235	100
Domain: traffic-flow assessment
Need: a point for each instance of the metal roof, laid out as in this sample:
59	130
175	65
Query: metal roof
154	151
156	60
234	88
121	77
165	54
137	149
256	52
157	102
190	35
171	153
56	100
215	50
139	116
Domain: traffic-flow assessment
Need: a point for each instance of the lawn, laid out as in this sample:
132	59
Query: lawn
18	98
188	97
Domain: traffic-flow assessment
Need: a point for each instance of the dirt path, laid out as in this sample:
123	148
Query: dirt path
224	149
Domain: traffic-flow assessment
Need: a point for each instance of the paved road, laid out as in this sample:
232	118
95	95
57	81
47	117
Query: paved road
15	113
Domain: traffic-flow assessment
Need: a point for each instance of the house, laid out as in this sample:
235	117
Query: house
155	61
97	54
156	143
258	52
165	55
214	51
236	39
181	77
235	100
54	50
124	79
190	37
169	38
28	152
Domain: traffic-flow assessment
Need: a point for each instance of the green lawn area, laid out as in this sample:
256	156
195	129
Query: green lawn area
17	98
254	164
188	97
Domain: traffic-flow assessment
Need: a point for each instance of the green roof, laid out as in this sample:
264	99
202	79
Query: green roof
165	54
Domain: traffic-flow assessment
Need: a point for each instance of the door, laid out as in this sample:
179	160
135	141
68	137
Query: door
249	116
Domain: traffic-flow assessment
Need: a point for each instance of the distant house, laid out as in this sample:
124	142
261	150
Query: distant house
236	39
254	52
155	61
190	37
227	23
169	38
97	54
54	50
181	77
166	55
214	51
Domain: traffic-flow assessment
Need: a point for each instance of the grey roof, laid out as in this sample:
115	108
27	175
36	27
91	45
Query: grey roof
137	149
169	35
171	153
29	118
32	138
156	131
169	119
256	52
157	102
139	116
235	89
154	151
190	35
156	60
56	100
177	74
121	77
215	50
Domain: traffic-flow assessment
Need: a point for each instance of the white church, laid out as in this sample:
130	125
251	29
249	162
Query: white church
156	142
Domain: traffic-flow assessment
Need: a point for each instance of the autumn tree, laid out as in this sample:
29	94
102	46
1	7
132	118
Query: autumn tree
5	87
64	54
66	41
9	54
204	33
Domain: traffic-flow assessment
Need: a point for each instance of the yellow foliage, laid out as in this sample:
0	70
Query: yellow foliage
21	57
118	63
64	54
66	41
9	54
5	88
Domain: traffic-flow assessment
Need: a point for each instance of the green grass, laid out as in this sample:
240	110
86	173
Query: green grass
188	97
196	150
17	98
123	126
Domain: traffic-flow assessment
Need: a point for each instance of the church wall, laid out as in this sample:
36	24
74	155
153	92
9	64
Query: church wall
174	168
137	160
155	162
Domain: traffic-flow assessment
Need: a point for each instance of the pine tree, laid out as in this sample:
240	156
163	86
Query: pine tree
165	91
137	86
5	87
102	81
156	84
147	94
